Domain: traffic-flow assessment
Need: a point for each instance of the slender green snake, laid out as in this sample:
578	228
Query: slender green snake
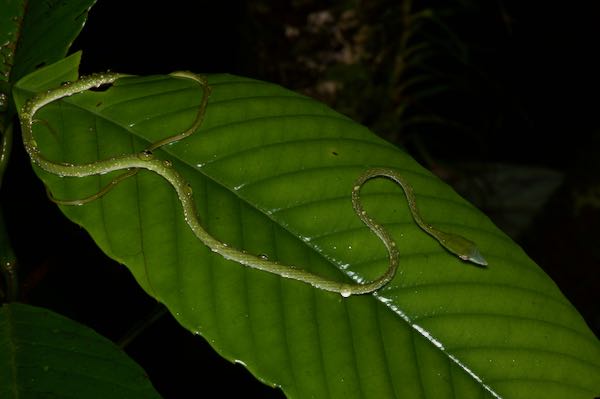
132	163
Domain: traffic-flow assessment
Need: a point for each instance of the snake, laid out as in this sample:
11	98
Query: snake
130	164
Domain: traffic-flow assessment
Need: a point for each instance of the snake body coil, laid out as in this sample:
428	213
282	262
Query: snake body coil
132	163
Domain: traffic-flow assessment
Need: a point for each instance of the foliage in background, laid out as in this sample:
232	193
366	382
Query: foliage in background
396	67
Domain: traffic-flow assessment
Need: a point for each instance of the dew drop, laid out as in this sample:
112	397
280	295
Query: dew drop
356	188
167	163
3	102
188	190
263	256
346	292
146	155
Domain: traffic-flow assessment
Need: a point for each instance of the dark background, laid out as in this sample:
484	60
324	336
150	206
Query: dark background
505	111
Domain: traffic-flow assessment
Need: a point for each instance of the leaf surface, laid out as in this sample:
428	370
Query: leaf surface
271	172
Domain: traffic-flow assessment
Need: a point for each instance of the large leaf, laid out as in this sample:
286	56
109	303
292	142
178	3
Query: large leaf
271	173
45	355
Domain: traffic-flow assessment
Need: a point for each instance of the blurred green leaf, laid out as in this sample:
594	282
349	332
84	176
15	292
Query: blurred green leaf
271	173
45	355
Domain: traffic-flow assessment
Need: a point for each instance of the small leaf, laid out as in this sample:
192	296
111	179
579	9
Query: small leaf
45	355
37	33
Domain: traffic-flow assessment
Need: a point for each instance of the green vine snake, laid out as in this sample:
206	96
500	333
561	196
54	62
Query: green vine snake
132	163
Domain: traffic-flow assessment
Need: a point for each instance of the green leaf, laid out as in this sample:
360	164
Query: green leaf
271	173
36	32
32	34
45	355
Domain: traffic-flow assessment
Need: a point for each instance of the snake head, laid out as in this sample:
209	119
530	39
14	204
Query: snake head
461	247
474	256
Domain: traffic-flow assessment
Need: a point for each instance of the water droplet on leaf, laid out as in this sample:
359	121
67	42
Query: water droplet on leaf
146	155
